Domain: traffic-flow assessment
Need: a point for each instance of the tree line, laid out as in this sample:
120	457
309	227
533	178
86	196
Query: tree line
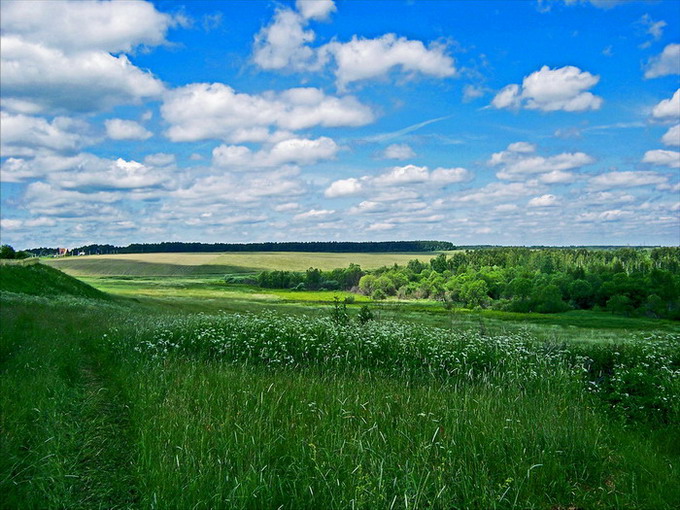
625	281
316	246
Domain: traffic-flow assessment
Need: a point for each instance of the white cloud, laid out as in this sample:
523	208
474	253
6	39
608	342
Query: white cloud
543	201
625	180
343	188
668	108
23	135
59	55
502	191
602	4
87	25
380	226
398	176
313	215
667	62
407	174
520	160
472	92
315	9
119	129
412	174
504	208
287	207
662	158
551	90
364	59
37	79
282	44
85	172
398	151
654	28
301	151
508	97
203	111
160	159
672	136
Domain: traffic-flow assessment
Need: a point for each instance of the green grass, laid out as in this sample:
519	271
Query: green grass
41	280
204	264
139	402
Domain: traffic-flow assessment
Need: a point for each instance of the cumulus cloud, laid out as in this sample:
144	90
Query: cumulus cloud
315	9
668	108
119	129
398	151
543	201
662	157
519	160
300	151
84	172
399	176
203	111
344	188
667	62
672	136
285	44
363	59
24	135
87	25
565	88
45	68
629	179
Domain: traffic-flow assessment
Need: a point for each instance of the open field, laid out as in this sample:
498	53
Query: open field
203	264
187	392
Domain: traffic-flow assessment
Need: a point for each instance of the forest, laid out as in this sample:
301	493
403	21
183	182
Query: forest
317	246
625	281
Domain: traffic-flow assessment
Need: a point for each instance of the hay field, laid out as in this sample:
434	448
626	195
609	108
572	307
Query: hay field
218	264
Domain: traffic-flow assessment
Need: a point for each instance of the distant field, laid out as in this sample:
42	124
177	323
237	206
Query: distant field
206	264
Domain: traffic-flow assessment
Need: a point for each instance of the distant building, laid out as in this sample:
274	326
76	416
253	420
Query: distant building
62	251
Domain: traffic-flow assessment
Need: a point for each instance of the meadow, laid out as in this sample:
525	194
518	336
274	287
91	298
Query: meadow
138	390
201	264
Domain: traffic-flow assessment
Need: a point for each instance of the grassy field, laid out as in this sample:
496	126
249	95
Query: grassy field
202	264
185	392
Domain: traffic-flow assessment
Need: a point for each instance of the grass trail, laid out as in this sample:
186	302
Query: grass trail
64	425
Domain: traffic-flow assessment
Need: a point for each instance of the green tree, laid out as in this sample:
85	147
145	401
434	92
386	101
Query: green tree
7	252
620	305
474	293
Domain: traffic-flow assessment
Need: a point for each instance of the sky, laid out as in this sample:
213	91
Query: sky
533	122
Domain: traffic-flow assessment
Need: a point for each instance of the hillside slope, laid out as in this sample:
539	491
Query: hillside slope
41	280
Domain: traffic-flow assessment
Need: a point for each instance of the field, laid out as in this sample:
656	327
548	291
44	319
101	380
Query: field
201	264
134	387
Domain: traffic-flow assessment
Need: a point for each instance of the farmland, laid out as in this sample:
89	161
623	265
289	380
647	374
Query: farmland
134	387
201	264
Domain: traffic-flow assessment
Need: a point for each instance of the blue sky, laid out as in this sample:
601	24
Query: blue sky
494	122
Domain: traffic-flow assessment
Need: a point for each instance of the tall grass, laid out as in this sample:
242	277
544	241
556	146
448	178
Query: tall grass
102	405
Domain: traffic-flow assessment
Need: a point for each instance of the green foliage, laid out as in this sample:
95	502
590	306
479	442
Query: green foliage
7	252
365	314
339	313
108	405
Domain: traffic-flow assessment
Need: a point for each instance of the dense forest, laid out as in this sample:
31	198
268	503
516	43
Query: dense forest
327	247
627	281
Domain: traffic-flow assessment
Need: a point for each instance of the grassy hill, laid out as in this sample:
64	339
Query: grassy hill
42	280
